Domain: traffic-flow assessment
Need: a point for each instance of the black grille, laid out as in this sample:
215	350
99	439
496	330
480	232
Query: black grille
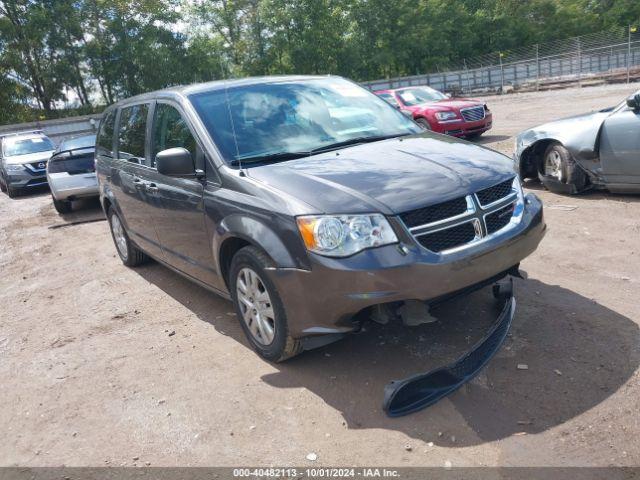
473	114
499	219
41	165
448	238
495	193
36	181
433	213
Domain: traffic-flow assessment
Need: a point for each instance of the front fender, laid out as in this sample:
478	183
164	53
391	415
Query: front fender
258	233
578	134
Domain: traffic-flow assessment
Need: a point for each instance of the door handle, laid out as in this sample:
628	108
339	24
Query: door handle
138	183
151	187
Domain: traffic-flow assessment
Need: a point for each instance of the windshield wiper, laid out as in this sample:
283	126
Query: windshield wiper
282	156
270	157
356	141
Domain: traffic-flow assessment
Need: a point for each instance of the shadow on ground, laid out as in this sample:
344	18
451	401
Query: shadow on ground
84	210
537	186
487	139
33	192
578	353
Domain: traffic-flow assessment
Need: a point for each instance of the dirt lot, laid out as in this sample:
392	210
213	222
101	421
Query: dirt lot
91	373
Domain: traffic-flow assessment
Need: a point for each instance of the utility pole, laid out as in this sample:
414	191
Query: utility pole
466	70
631	30
629	56
537	67
501	75
579	63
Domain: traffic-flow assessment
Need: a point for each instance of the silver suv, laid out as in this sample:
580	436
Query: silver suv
23	161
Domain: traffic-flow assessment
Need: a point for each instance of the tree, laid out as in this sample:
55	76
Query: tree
26	51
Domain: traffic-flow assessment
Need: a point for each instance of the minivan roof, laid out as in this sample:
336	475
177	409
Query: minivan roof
185	90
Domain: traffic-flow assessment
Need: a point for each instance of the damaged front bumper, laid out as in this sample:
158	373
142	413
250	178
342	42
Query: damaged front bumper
419	391
326	299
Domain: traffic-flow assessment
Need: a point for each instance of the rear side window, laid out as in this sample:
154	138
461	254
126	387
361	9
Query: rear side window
104	140
131	133
170	130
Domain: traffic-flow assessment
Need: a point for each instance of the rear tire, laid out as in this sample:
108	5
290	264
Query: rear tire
423	123
62	206
276	345
130	255
558	163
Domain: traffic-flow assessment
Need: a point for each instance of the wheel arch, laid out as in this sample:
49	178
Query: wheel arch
238	231
530	164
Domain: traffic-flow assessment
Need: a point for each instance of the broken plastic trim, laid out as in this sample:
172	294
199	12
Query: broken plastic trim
419	391
556	186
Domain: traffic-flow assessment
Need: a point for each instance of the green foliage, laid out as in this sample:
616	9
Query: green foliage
98	51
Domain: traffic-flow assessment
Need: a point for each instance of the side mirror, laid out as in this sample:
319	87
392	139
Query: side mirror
175	162
448	95
633	102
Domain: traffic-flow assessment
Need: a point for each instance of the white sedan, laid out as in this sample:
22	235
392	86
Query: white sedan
71	172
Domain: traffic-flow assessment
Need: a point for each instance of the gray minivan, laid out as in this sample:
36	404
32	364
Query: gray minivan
308	201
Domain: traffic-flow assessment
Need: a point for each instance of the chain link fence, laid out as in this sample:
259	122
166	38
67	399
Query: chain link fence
610	56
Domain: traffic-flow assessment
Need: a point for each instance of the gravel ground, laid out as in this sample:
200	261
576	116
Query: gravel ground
92	373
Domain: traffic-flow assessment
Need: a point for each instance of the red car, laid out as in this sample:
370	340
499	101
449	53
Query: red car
433	110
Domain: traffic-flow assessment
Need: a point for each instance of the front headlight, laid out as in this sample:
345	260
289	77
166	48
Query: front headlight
517	186
446	115
344	235
13	167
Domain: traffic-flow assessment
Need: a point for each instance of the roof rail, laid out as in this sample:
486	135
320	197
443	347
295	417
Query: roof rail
24	132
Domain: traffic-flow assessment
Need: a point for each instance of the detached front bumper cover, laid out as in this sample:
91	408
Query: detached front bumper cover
419	391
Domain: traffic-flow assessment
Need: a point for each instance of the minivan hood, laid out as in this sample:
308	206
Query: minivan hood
29	158
390	176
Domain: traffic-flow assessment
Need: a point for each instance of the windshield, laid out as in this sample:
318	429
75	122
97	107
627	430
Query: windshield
416	96
25	146
285	119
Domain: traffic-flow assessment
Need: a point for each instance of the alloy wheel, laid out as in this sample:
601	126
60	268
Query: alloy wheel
255	306
119	236
553	165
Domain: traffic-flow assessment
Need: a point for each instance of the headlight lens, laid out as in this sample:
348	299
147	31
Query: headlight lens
12	167
446	115
344	235
517	186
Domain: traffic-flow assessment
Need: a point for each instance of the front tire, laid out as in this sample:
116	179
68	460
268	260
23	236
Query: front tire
259	307
130	255
62	206
12	192
424	124
559	164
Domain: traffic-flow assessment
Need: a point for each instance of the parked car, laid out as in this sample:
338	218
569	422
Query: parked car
598	150
433	110
23	161
266	193
71	172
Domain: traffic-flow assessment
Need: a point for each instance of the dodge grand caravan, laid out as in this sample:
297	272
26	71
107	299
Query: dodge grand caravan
308	201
